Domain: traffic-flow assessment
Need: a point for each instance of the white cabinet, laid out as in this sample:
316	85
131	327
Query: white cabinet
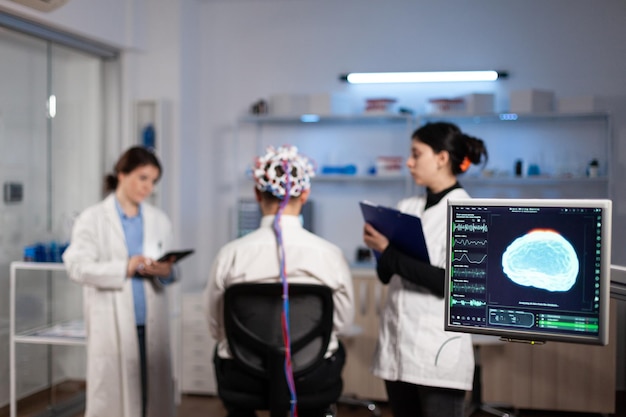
197	348
369	296
46	331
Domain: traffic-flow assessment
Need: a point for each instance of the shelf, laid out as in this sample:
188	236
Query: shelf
532	181
69	333
330	119
65	333
359	178
514	117
39	266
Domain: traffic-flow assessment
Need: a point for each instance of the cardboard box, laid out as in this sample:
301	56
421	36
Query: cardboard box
288	104
531	101
330	103
583	104
445	105
479	103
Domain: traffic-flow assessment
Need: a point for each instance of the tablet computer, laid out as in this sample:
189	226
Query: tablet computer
175	255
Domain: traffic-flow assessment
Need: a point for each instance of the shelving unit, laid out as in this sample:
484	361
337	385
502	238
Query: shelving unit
556	140
54	332
305	122
332	140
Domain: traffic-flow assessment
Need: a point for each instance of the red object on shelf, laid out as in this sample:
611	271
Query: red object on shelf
377	104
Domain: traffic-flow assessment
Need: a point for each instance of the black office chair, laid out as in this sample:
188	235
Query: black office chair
252	322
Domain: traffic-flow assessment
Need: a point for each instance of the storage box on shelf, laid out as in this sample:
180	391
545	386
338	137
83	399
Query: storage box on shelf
580	104
531	101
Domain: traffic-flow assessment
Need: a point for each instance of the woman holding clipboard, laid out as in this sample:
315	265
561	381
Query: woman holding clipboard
426	370
114	253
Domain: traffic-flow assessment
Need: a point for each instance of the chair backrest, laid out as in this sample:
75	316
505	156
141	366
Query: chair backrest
254	330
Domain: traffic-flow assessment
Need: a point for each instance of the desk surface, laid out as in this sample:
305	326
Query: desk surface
618	274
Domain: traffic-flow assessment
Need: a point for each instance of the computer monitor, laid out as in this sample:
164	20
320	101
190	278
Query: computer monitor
529	269
249	216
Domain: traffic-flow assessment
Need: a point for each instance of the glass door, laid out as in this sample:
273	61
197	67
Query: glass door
51	168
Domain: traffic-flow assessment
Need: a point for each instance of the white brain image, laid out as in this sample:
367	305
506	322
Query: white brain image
542	259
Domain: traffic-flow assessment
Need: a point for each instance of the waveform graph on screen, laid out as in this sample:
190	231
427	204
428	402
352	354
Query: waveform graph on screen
470	258
471	227
469	273
470	243
467	287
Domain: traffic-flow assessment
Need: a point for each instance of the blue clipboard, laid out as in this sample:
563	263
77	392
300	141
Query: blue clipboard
403	230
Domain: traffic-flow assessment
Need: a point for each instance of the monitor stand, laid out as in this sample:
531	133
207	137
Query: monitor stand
476	400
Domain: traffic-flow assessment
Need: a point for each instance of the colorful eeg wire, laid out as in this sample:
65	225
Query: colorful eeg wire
284	173
283	277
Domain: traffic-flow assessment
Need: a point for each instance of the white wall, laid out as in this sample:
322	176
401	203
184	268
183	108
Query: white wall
114	22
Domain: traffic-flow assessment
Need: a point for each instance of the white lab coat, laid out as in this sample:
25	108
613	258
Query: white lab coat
412	345
97	258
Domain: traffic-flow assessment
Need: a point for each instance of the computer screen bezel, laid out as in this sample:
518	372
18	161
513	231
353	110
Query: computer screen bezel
534	336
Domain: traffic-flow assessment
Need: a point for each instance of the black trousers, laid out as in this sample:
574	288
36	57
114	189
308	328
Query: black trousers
141	337
229	374
410	400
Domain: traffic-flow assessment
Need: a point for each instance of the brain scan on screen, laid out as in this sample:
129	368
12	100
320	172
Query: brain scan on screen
542	259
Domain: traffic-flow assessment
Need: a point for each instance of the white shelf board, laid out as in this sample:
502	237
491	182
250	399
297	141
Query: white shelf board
40	266
359	178
530	181
329	119
64	333
512	117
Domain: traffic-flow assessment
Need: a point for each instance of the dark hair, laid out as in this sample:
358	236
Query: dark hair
444	136
133	158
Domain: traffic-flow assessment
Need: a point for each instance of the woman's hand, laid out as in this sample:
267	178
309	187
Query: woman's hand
144	266
373	239
135	265
157	269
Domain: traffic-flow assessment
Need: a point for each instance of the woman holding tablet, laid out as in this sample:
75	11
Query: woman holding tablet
426	370
113	253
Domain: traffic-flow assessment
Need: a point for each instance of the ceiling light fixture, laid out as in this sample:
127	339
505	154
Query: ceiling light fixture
421	77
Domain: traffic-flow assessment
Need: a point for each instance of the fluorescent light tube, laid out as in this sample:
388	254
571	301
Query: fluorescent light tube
421	77
52	106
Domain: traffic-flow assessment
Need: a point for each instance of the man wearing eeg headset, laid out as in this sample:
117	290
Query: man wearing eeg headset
253	258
